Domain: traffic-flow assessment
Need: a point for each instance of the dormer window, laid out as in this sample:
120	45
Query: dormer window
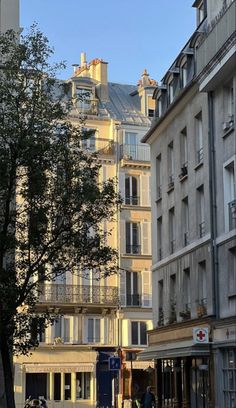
84	98
201	10
184	74
171	91
159	107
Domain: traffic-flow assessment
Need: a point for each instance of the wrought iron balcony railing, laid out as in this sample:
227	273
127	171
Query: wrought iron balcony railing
232	214
135	152
133	300
78	294
104	147
132	200
133	249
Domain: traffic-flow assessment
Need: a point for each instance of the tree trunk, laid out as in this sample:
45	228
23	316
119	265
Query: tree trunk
3	403
7	372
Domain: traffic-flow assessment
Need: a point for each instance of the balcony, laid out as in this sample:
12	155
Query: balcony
133	300
88	106
103	147
232	214
132	200
138	153
133	249
78	294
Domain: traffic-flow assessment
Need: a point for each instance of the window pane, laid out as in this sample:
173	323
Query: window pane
57	328
134	187
143	333
90	330
97	330
67	386
134	332
66	330
57	386
135	234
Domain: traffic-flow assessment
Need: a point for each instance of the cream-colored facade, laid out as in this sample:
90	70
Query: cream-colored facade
101	319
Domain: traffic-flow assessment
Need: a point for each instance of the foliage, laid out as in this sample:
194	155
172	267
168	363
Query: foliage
51	203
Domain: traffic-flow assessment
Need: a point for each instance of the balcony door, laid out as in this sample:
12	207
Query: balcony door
133	288
131	144
132	235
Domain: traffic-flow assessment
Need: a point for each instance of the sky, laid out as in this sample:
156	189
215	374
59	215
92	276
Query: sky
130	35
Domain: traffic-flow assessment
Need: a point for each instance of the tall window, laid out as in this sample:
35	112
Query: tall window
229	377
159	238
160	303
94	330
172	230
186	289
230	196
185	221
132	234
131	143
171	91
232	271
229	105
88	143
158	176
83	381
183	153
184	74
62	329
171	168
172	298
131	190
133	288
138	333
199	138
201	211
202	288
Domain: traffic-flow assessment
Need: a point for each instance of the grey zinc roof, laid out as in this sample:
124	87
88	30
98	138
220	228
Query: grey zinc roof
124	104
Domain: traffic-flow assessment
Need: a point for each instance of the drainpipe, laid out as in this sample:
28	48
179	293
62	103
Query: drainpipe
213	206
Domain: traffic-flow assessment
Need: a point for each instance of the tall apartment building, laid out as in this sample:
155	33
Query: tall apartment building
9	15
110	317
193	148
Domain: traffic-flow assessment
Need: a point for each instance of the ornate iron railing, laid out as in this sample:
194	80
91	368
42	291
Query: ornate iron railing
78	294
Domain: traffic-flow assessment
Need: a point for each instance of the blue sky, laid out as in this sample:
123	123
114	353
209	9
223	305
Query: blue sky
128	34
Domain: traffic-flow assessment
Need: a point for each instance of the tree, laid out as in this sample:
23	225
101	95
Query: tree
51	204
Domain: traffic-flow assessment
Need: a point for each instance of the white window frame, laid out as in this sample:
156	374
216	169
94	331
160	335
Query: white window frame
94	339
139	322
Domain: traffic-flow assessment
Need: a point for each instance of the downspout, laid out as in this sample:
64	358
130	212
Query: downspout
213	231
213	206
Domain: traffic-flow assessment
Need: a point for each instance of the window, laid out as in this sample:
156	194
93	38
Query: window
184	74
151	113
159	238
84	98
36	384
94	330
171	168
159	106
171	91
185	221
83	381
57	387
133	288
158	177
201	10
186	290
132	234
138	333
88	142
172	309
62	330
183	153
160	303
202	289
172	230
67	395
201	211
232	271
199	138
131	190
230	196
229	377
228	106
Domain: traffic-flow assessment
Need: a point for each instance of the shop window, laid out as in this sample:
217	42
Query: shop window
36	385
57	387
229	377
83	381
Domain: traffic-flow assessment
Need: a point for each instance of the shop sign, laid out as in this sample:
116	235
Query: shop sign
200	335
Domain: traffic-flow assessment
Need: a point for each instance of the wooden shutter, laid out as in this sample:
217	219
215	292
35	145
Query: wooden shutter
146	289
123	288
146	237
145	190
122	185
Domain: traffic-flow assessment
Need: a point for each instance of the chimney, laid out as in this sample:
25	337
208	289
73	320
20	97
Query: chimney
83	62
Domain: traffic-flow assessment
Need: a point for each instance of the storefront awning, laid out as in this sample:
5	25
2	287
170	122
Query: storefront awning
173	350
59	368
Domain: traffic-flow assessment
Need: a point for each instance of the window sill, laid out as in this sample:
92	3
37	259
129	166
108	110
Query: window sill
170	189
232	295
198	166
158	199
227	132
181	179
